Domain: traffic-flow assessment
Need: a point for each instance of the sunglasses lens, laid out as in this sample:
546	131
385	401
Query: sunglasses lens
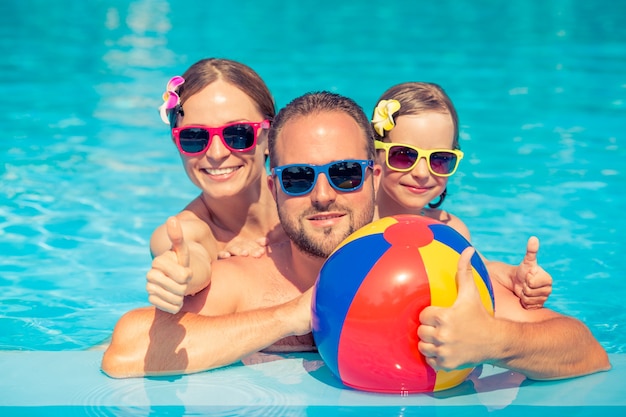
443	162
194	140
346	175
297	180
401	157
239	136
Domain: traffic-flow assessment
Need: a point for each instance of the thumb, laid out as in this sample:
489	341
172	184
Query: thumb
179	246
465	276
532	247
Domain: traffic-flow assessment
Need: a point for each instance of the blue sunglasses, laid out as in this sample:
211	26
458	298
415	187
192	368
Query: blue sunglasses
344	176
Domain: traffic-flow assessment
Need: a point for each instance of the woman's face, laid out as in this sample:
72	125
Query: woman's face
220	172
416	188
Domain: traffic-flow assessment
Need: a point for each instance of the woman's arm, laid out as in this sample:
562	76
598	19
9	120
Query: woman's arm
181	266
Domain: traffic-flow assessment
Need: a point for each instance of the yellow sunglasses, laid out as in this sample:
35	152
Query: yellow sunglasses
403	158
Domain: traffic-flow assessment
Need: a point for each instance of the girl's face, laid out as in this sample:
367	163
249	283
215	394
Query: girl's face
220	172
414	189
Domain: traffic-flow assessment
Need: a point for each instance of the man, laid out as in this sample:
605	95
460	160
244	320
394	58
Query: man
324	188
252	304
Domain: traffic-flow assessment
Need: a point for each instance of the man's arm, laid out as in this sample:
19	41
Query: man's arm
556	348
151	342
222	324
541	344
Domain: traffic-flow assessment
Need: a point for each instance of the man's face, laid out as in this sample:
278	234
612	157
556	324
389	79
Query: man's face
318	221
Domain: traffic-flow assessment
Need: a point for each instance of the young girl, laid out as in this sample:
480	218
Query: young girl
418	148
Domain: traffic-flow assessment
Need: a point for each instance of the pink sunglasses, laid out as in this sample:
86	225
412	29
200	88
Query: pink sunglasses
237	137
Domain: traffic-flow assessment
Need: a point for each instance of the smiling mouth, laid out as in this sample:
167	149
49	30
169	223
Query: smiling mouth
326	216
417	187
220	171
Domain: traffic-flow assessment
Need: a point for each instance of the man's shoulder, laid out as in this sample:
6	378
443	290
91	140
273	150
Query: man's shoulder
241	283
239	263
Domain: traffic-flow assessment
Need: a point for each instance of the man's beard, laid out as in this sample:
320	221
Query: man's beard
322	246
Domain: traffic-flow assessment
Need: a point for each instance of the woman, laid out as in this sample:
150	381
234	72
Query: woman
418	148
219	112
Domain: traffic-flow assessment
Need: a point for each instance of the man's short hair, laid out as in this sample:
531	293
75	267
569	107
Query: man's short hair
317	102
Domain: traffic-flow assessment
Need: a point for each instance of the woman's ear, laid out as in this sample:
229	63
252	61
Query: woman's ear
272	186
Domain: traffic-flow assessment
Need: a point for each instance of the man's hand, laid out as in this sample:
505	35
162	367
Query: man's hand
301	315
170	275
458	336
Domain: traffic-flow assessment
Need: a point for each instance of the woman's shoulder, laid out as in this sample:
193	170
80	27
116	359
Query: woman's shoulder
196	210
194	229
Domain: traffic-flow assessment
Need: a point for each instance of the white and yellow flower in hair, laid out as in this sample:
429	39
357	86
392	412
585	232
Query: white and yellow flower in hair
383	116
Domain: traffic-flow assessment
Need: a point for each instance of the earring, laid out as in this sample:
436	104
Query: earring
442	197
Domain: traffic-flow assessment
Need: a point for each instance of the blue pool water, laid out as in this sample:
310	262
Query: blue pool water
88	170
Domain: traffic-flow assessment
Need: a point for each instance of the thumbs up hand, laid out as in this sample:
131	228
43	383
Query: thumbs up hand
169	277
458	336
532	284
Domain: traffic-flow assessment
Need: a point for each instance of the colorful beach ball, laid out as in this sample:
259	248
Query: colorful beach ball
368	297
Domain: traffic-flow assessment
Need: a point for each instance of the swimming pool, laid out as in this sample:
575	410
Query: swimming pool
88	170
